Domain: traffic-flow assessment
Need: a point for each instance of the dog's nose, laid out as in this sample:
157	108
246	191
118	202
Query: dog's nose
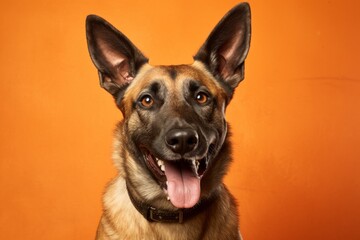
182	140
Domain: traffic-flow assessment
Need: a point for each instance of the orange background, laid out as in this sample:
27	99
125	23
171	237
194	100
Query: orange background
295	118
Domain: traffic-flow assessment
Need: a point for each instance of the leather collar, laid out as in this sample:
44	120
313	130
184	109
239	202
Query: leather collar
153	214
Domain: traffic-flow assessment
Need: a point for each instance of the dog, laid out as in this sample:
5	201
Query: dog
172	147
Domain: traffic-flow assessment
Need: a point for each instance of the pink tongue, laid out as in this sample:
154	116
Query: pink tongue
183	187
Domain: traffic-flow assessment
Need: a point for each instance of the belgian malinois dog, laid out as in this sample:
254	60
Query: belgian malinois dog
171	149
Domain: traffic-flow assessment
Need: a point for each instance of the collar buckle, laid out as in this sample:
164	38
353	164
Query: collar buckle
157	215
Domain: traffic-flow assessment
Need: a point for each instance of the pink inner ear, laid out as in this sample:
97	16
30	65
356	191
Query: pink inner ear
118	62
123	71
229	54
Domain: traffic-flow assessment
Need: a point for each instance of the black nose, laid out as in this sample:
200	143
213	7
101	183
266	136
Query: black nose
181	140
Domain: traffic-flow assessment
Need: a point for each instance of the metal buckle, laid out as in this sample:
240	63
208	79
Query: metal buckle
156	215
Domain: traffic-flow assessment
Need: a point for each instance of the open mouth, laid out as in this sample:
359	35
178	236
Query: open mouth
180	179
158	166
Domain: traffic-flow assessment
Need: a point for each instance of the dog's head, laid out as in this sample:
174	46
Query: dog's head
174	124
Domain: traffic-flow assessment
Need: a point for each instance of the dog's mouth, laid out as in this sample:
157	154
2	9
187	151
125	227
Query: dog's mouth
180	178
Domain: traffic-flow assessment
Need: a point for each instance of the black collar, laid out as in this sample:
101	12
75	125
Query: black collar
153	214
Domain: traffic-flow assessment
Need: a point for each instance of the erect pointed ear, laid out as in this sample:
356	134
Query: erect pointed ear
113	54
227	46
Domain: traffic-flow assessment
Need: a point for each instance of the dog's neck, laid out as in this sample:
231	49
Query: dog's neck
153	214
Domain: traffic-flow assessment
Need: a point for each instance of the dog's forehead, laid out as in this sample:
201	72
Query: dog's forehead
174	78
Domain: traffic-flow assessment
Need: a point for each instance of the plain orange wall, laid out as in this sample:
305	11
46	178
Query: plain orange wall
295	119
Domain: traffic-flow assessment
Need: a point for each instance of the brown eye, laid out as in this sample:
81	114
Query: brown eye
202	98
147	101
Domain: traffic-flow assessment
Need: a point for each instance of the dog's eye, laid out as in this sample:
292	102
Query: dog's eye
147	101
202	98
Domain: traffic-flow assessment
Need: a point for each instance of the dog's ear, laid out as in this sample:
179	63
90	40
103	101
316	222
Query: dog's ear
227	46
113	54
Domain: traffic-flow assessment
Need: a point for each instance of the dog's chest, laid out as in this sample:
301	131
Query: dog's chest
123	219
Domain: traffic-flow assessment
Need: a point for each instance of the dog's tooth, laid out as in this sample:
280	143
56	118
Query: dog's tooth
168	198
195	165
159	162
162	167
195	162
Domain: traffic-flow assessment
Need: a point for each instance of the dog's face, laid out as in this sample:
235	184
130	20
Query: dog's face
174	124
181	113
